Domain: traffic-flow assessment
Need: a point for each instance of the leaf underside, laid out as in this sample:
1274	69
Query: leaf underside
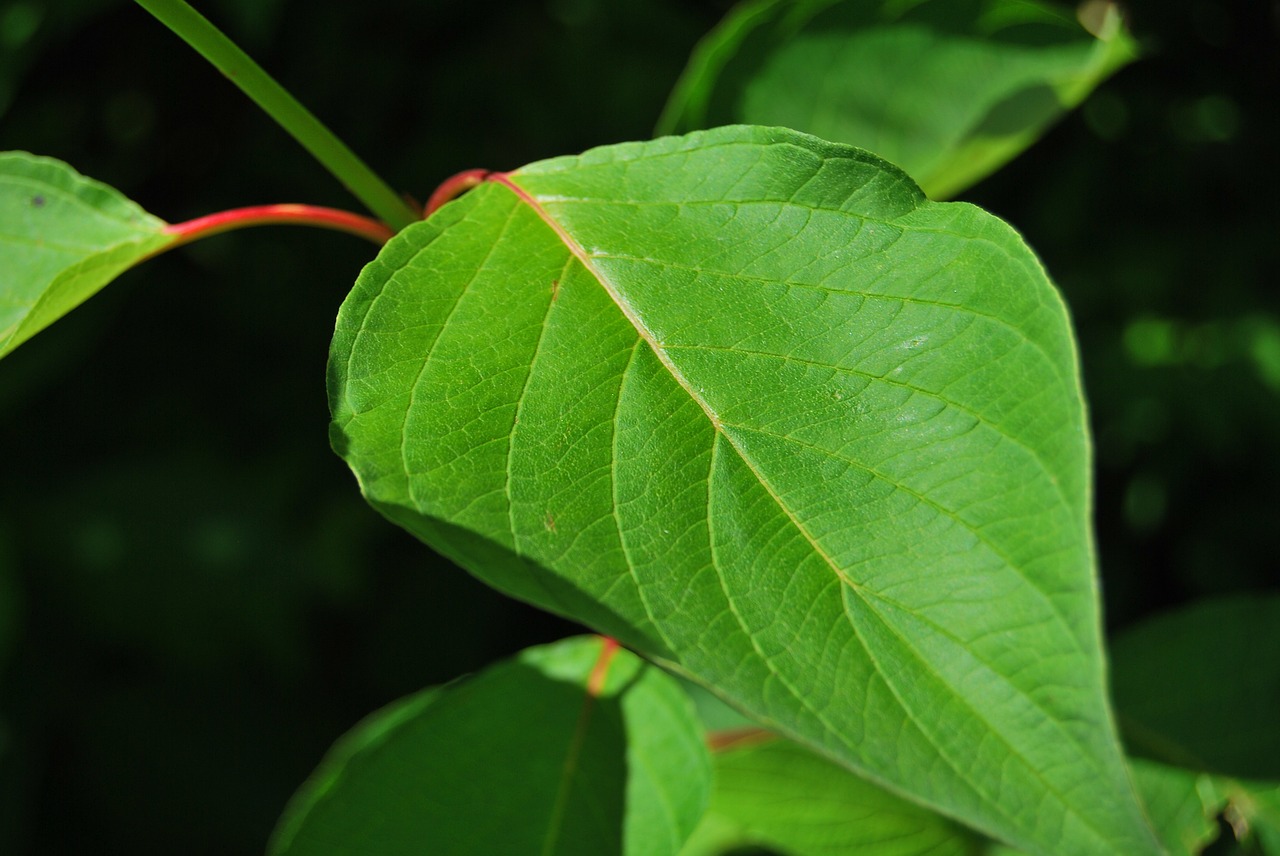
750	403
63	237
947	89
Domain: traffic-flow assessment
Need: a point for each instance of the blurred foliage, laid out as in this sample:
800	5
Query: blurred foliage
206	601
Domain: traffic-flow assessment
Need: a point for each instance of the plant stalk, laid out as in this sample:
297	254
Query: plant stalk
235	64
264	215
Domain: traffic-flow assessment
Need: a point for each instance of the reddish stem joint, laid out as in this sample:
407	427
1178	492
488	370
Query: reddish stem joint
453	187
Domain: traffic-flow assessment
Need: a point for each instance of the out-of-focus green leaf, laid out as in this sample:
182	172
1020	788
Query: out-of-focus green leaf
750	402
947	89
1183	805
773	793
1259	807
63	237
561	750
1201	687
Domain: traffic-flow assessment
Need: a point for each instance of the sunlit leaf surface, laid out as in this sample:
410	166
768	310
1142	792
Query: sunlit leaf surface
749	402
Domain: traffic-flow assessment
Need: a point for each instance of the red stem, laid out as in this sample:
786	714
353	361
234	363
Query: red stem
453	187
264	215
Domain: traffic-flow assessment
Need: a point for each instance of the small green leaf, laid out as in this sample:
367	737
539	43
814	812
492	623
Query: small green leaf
1183	805
1199	687
773	793
751	403
561	750
947	89
63	237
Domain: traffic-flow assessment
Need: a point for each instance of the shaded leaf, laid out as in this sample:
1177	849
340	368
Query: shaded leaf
1200	687
947	89
63	237
774	793
558	751
749	402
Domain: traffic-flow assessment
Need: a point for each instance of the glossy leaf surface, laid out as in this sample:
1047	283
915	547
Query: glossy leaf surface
751	403
558	751
775	794
947	89
63	237
1200	687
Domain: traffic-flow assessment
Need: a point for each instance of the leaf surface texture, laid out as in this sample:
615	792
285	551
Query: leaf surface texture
750	403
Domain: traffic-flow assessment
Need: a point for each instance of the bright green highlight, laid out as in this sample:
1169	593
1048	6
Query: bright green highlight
520	759
296	120
947	89
749	402
63	237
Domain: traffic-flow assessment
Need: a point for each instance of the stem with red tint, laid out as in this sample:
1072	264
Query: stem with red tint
453	187
269	215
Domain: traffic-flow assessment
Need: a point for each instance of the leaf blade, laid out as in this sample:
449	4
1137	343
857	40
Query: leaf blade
948	91
100	235
843	559
575	767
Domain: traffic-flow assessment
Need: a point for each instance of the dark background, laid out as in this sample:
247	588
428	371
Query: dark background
194	599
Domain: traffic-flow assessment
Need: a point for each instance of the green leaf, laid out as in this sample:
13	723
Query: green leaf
1183	805
1258	805
557	751
775	794
947	89
1199	687
751	403
63	237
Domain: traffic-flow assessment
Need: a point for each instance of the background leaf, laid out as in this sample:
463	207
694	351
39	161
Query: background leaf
748	401
1200	687
1183	805
64	237
531	756
773	793
947	89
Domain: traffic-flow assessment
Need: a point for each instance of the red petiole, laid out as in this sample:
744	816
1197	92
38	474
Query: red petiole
264	215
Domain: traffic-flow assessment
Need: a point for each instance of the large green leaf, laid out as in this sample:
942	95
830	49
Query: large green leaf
63	237
1201	687
776	794
947	89
748	401
570	748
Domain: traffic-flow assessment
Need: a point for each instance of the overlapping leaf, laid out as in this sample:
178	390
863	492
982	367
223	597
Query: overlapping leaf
1201	687
749	402
776	794
62	237
947	89
558	751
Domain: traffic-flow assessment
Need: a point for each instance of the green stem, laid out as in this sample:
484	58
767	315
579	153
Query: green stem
332	153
